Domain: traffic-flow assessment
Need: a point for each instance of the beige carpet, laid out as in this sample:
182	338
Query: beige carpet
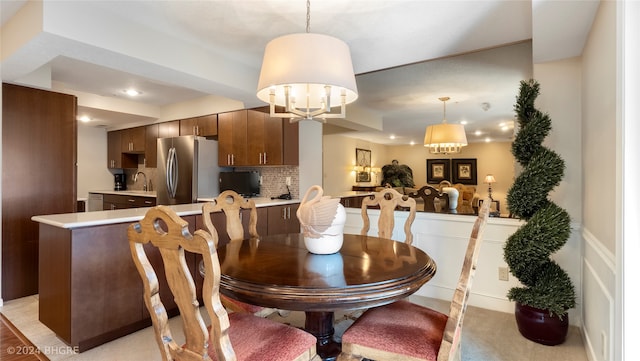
487	336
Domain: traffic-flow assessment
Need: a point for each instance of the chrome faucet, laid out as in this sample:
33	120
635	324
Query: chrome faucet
135	179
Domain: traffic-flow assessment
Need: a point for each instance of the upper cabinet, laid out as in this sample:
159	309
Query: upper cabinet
118	155
204	126
232	138
265	135
133	140
151	146
252	138
169	129
245	138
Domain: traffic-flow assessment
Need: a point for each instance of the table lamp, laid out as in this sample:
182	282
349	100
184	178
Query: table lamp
489	179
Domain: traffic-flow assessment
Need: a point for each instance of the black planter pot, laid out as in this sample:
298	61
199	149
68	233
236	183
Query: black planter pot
538	326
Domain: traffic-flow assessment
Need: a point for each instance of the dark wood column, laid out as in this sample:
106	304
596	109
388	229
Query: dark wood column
39	137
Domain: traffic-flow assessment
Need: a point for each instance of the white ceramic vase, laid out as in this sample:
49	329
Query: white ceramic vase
331	240
453	198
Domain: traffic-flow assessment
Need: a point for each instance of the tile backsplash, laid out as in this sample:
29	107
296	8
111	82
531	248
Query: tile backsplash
274	179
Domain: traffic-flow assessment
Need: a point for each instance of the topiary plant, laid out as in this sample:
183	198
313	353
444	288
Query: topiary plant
546	285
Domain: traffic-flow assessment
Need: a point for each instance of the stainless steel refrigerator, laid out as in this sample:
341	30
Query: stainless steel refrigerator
187	169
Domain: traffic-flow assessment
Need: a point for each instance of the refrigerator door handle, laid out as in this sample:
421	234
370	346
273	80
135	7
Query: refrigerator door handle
172	172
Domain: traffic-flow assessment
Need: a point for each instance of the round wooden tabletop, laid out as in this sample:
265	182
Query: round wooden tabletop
278	271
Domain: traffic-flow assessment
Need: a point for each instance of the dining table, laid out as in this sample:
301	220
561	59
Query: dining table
278	271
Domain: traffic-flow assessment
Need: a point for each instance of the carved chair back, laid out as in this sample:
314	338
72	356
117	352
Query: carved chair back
430	196
165	230
231	203
450	345
388	200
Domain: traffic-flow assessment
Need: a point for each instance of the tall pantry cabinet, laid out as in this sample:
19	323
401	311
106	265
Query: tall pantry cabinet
39	154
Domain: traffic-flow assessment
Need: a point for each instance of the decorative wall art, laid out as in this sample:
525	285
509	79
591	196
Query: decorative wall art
464	171
363	165
438	170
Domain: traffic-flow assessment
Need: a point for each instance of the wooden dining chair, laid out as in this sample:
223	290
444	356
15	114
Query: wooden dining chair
235	336
232	204
406	331
430	197
388	200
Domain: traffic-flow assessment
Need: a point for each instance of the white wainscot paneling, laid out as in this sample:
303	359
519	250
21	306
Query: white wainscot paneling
444	237
598	290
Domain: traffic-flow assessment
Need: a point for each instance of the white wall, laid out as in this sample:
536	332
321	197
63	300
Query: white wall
601	183
339	158
92	160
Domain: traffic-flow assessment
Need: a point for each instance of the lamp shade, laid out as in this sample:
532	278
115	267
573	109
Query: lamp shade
445	138
489	179
307	63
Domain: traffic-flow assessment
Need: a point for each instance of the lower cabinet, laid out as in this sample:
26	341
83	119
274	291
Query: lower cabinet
271	220
282	219
114	201
90	291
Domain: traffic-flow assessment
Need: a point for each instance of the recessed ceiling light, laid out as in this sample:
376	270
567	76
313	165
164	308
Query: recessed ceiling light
412	143
463	122
504	128
132	92
487	140
392	136
478	133
84	119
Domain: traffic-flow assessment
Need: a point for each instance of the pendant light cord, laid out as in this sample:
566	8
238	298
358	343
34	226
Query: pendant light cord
308	15
444	105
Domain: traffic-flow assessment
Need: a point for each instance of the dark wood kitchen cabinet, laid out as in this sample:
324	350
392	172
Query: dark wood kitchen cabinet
203	126
151	146
282	219
91	292
133	140
116	201
253	138
169	129
116	158
265	147
232	138
39	155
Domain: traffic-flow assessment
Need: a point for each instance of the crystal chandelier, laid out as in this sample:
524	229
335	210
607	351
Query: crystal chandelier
303	73
445	138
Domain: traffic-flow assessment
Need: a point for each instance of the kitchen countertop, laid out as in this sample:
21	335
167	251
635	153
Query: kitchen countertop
98	218
137	193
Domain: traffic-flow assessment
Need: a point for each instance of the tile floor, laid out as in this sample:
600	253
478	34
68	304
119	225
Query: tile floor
487	336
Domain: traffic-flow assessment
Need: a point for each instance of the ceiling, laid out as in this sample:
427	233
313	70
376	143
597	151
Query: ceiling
407	54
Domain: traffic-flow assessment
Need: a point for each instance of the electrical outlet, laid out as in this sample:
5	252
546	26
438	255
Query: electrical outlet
289	181
503	273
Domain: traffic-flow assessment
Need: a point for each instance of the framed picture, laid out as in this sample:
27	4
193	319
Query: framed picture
363	162
438	170
464	171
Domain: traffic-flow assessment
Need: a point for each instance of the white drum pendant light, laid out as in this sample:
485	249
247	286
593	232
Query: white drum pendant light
445	138
307	74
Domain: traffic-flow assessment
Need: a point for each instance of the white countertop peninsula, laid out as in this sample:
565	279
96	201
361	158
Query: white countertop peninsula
89	219
86	256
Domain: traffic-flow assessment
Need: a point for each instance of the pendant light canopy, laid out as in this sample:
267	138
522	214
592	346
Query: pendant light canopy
445	138
307	74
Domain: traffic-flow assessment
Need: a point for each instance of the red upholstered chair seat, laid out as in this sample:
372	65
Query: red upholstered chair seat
258	339
409	329
409	332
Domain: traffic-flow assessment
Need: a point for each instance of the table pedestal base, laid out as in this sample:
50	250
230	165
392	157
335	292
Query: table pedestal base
320	324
